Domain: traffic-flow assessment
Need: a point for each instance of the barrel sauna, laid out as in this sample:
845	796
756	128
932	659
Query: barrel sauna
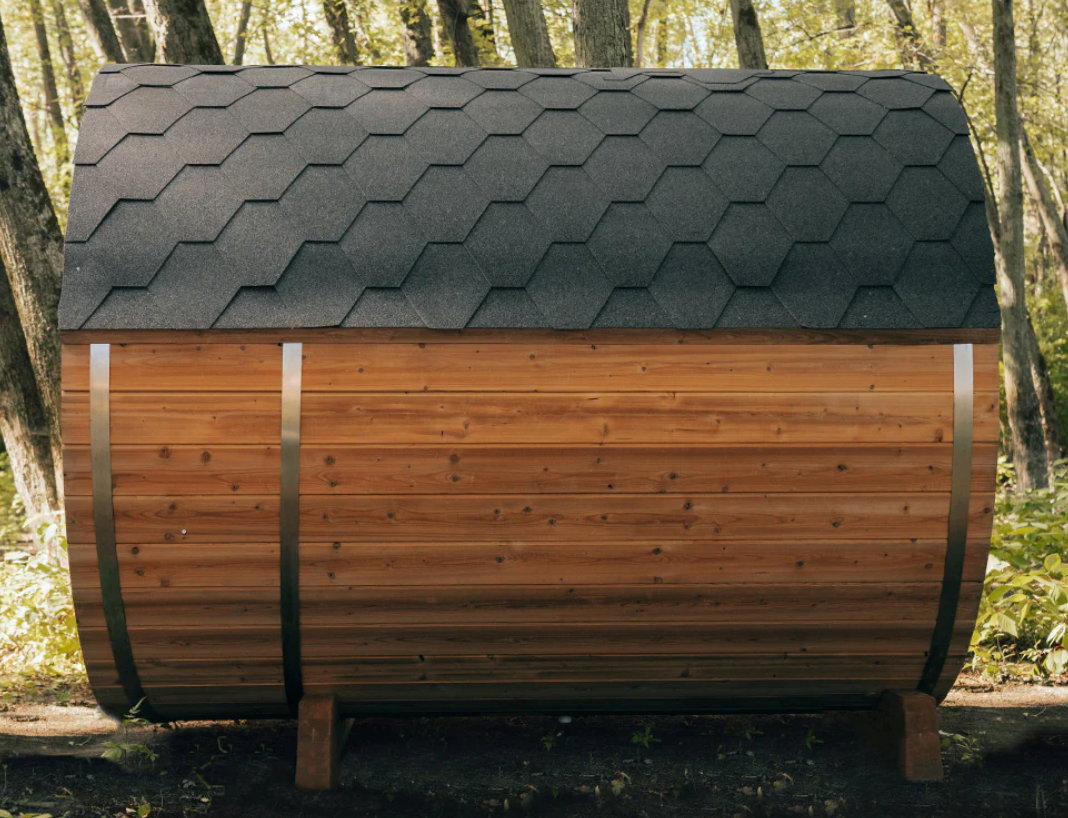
464	391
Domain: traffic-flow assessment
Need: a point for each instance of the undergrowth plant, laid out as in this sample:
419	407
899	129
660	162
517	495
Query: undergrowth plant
1021	628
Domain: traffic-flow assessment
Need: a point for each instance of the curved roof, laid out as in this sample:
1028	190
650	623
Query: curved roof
289	196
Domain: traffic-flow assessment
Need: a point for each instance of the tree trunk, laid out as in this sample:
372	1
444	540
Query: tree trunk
845	12
1025	419
102	30
662	34
639	40
530	34
602	34
938	24
70	60
1052	225
455	19
908	38
31	248
134	33
48	82
418	32
1047	406
747	35
183	32
23	425
481	22
337	18
267	46
241	37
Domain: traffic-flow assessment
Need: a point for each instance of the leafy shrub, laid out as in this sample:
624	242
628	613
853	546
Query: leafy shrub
1021	629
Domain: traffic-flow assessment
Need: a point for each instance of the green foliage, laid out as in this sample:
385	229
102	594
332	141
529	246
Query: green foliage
1021	629
645	737
12	515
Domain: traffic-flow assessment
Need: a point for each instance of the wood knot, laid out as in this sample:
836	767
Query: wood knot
135	550
164	452
330	460
454	458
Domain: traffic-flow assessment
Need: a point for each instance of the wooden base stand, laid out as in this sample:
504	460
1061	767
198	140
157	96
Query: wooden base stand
904	728
321	737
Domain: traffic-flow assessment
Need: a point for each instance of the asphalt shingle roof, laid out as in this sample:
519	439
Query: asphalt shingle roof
303	196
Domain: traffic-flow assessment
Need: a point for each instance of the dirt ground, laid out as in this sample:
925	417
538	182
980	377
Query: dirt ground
1006	755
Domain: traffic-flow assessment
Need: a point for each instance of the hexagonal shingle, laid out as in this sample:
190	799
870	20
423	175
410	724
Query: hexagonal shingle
445	286
387	76
913	137
198	203
832	80
509	308
444	92
894	92
961	168
383	244
385	168
499	79
927	203
872	243
148	110
848	114
750	243
945	108
569	287
631	307
506	168
687	204
91	197
319	287
326	136
205	136
679	137
445	137
624	168
557	92
140	167
563	137
386	112
107	88
213	90
692	287
269	110
330	90
743	168
379	307
973	244
507	243
263	226
806	202
99	133
131	243
814	286
446	204
503	112
568	203
735	114
878	308
617	113
935	285
629	243
783	94
755	308
323	202
796	137
671	93
263	166
861	169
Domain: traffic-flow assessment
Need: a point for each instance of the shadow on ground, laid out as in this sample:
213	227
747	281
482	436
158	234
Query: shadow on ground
1006	755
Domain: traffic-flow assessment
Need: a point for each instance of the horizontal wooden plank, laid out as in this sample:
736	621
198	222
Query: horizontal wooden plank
162	565
190	367
649	418
172	418
551	367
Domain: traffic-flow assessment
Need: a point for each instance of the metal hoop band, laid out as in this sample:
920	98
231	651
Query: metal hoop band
289	524
959	501
104	524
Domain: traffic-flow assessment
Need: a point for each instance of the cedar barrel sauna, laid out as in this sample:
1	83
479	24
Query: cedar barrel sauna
440	391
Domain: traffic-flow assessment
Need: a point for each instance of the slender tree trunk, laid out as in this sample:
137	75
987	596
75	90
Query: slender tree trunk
102	30
639	40
267	46
48	82
662	34
455	20
70	60
1052	225
1025	419
602	34
183	32
747	35
144	33
31	248
241	37
481	22
845	12
134	33
418	32
908	37
337	18
1047	406
530	34
23	425
938	24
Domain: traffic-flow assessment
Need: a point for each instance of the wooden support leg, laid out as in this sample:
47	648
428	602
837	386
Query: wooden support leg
909	723
321	737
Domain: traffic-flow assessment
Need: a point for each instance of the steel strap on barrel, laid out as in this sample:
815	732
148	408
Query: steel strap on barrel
289	524
107	557
959	502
